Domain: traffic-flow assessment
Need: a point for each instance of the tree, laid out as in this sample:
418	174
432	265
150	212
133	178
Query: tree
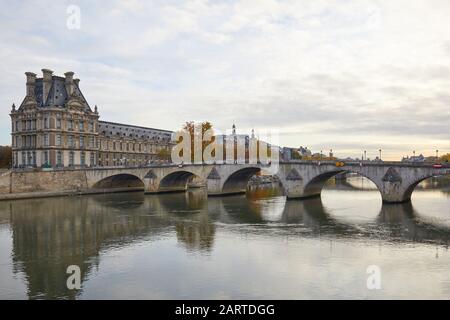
202	127
296	155
163	154
5	157
445	157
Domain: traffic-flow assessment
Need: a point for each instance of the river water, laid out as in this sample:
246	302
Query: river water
254	246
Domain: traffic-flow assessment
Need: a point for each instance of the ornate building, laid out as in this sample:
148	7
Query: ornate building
55	127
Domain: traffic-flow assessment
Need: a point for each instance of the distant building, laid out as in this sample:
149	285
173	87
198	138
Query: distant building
304	151
288	153
419	158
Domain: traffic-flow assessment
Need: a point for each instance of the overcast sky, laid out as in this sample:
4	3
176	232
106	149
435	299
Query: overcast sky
346	75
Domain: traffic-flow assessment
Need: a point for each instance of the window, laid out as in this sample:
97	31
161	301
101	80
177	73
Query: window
24	159
33	124
17	141
17	126
92	161
46	140
71	158
92	142
45	157
58	139
81	142
58	123
45	123
33	158
83	159
70	141
81	126
59	158
69	125
91	126
28	124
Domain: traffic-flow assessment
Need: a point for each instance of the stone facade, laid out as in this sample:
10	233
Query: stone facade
56	127
121	144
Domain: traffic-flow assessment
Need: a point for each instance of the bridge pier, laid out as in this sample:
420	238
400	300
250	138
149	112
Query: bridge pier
394	192
153	186
294	189
214	187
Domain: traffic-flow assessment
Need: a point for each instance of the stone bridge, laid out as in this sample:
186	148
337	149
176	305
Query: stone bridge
395	180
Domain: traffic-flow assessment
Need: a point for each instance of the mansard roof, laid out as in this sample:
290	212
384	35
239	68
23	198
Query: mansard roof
113	129
57	96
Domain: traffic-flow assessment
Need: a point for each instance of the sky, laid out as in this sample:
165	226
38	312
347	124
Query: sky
342	75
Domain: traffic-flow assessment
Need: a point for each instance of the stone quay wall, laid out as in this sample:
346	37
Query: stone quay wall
30	184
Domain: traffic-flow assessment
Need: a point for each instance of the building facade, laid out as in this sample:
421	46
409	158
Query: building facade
55	127
121	144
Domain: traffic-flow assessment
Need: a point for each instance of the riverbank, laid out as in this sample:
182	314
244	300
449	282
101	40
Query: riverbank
65	193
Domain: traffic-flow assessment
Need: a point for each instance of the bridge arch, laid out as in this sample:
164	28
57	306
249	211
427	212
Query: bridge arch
121	181
314	186
237	181
176	181
410	189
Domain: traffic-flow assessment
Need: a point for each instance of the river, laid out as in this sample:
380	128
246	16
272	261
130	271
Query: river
254	246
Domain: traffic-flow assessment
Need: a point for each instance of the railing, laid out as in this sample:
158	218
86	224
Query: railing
367	163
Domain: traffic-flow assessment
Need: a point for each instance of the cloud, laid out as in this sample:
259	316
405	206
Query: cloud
339	73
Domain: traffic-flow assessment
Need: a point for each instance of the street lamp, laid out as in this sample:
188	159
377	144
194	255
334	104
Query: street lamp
365	155
320	154
437	155
380	153
414	155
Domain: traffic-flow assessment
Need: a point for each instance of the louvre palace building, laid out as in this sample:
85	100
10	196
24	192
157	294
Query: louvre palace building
55	127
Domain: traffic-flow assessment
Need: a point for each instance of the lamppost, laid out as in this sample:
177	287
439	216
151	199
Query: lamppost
320	155
414	155
437	155
380	154
365	155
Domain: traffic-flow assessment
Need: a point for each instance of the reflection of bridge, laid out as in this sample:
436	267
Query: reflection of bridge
395	181
59	232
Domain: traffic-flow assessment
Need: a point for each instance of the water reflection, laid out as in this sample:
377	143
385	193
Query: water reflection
50	234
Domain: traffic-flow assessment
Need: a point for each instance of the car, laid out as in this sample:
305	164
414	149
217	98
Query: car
339	164
437	165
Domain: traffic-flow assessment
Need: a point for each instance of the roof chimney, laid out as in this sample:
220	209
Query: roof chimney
46	83
69	82
31	83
